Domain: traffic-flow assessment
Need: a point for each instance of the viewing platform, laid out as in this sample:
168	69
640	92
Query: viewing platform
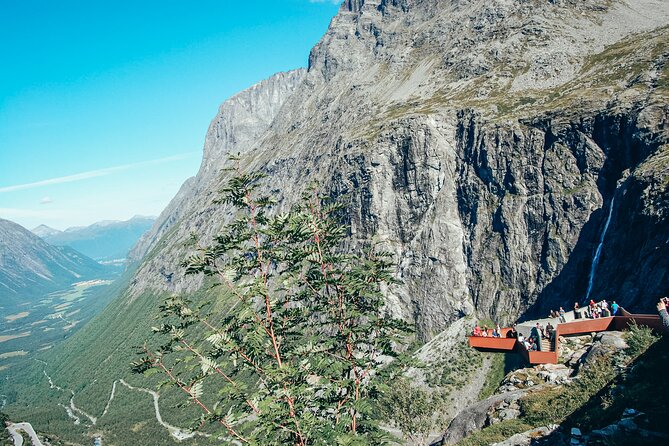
573	326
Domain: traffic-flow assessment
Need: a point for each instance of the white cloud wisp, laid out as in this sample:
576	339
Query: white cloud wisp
95	173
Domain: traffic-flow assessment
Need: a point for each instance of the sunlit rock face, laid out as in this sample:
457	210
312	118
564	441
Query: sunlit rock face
480	141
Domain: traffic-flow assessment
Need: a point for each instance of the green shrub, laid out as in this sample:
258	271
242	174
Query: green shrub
296	361
412	410
638	339
555	404
495	433
495	375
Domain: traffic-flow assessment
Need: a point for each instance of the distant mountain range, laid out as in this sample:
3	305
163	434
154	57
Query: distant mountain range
102	241
30	267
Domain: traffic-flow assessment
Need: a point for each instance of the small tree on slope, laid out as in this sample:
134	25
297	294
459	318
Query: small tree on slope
294	360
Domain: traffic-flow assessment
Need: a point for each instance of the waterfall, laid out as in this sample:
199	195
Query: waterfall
598	252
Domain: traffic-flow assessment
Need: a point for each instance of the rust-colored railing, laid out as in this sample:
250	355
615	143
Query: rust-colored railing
581	326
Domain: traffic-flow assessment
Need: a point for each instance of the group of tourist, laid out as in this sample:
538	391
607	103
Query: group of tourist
595	310
538	332
486	332
559	314
531	342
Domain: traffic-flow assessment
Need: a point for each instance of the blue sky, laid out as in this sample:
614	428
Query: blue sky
104	105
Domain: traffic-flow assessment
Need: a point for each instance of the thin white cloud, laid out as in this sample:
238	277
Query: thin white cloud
334	2
46	200
95	173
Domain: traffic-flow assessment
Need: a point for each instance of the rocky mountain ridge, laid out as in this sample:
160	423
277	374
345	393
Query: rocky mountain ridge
30	267
481	141
44	230
240	122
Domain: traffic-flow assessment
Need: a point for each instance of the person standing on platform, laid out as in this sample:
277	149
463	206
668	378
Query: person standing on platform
662	310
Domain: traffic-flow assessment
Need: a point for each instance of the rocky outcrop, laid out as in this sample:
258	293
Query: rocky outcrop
579	353
632	428
481	142
479	415
540	436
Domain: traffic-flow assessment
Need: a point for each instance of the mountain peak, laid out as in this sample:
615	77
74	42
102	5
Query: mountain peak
30	267
45	231
103	240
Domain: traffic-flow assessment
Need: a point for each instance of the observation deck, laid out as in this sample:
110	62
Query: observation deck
571	327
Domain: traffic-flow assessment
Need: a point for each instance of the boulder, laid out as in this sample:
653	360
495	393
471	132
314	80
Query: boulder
612	339
530	437
481	414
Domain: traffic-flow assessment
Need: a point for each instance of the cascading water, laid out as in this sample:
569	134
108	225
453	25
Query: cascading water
598	252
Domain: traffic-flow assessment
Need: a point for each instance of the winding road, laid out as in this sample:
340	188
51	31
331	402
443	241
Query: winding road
14	429
177	433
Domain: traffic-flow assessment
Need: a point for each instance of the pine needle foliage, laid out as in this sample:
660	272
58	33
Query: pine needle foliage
294	361
639	338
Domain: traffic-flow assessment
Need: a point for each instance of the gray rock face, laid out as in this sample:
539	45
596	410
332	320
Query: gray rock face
479	141
236	129
478	415
605	344
534	437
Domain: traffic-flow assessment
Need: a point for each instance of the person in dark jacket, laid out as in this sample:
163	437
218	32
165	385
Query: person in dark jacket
662	309
550	331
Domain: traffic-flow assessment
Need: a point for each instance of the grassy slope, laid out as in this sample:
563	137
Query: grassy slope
47	331
88	364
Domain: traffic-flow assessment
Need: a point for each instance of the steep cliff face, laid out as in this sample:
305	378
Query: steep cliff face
480	141
536	205
241	121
